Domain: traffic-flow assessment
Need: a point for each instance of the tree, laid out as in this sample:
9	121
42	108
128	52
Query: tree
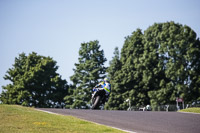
89	71
125	82
34	82
171	52
131	72
115	66
156	67
195	73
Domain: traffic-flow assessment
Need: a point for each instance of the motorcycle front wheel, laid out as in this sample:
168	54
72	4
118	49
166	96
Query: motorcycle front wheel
96	103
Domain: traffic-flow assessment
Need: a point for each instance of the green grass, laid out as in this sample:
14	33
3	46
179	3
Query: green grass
20	119
192	110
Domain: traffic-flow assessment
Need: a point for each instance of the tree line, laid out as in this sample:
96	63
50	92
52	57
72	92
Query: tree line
154	67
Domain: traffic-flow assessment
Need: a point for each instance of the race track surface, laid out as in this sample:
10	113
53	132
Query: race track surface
138	121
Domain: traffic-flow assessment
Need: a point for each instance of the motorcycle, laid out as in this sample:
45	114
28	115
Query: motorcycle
98	97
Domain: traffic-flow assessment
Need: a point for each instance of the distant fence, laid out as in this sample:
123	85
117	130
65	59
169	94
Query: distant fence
154	108
171	107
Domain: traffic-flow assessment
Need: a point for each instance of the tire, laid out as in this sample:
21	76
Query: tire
96	103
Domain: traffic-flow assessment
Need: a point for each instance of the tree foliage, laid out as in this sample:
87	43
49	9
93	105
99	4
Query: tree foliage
176	50
157	66
112	70
34	82
154	67
87	73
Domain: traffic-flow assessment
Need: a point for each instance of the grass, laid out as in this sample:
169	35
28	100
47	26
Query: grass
18	119
191	110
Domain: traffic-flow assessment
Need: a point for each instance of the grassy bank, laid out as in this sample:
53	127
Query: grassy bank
20	119
191	110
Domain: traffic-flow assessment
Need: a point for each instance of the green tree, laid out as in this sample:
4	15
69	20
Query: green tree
156	67
115	64
34	82
131	72
125	82
88	72
114	67
195	73
171	52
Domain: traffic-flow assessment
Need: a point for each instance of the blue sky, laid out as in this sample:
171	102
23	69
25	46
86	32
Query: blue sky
56	28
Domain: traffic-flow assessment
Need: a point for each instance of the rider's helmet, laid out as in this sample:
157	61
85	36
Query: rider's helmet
106	79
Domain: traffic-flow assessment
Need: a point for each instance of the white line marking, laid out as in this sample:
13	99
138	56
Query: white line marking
88	121
190	113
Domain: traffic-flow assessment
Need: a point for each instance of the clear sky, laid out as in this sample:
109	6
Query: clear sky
56	28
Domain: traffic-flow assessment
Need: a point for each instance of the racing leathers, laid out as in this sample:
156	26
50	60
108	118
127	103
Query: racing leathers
107	88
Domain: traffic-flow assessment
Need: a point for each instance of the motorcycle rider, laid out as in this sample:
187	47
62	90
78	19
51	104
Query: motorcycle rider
106	86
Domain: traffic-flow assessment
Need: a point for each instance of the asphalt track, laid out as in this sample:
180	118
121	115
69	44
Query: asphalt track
138	121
